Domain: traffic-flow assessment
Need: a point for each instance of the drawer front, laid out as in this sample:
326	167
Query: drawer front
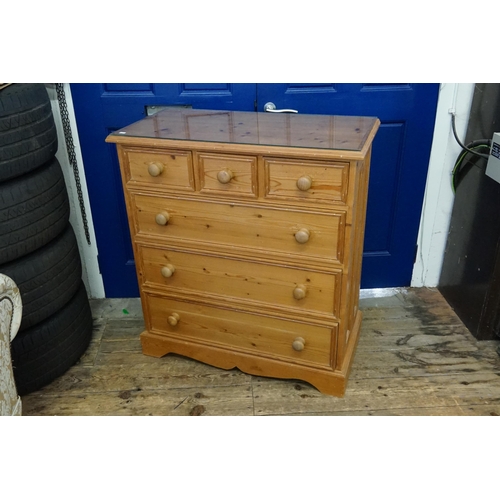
241	331
267	230
227	175
161	168
274	285
306	180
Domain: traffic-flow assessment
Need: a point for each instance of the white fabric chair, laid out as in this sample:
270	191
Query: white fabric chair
10	319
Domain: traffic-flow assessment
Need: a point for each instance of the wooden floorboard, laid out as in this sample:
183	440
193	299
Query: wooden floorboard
414	358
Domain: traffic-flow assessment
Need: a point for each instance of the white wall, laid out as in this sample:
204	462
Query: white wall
91	277
438	199
436	211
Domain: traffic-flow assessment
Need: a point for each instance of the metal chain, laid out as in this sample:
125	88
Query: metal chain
68	136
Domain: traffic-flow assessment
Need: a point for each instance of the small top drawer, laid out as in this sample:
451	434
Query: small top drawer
161	168
227	175
305	180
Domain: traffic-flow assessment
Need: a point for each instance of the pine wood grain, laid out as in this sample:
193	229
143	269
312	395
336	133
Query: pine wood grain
225	329
328	180
243	170
242	229
176	165
241	279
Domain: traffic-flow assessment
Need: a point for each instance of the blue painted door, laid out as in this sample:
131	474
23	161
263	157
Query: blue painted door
399	162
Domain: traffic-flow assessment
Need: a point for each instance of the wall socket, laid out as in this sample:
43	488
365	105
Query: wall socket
493	167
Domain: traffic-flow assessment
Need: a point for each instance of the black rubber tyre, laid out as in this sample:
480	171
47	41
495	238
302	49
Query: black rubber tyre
24	132
47	278
46	351
22	103
28	135
22	119
34	209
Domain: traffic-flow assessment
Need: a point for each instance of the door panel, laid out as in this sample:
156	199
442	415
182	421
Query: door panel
128	87
383	188
399	159
339	98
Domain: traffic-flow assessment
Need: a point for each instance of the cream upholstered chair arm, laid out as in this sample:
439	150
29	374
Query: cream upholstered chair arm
10	320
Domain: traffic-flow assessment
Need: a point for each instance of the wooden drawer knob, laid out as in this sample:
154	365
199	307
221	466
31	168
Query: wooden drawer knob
298	344
162	218
167	270
155	169
225	176
173	319
304	183
299	292
302	235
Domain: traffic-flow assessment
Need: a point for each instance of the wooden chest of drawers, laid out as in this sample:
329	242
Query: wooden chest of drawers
248	231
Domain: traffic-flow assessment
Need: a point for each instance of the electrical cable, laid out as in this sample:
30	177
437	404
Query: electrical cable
458	140
459	164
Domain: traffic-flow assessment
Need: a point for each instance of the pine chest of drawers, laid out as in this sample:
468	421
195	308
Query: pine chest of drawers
247	231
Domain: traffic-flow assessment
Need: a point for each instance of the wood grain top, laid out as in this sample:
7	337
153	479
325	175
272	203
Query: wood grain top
343	133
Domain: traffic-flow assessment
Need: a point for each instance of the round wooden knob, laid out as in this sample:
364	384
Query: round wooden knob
299	292
162	218
302	235
298	344
304	183
155	169
167	270
225	176
173	319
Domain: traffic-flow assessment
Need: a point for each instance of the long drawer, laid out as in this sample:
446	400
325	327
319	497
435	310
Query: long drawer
277	285
299	342
307	234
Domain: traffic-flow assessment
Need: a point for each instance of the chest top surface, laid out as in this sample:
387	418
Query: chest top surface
318	132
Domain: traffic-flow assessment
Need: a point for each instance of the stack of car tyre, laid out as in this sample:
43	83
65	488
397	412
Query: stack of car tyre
38	248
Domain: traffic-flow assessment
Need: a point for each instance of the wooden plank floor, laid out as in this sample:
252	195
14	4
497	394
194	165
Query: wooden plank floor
414	357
